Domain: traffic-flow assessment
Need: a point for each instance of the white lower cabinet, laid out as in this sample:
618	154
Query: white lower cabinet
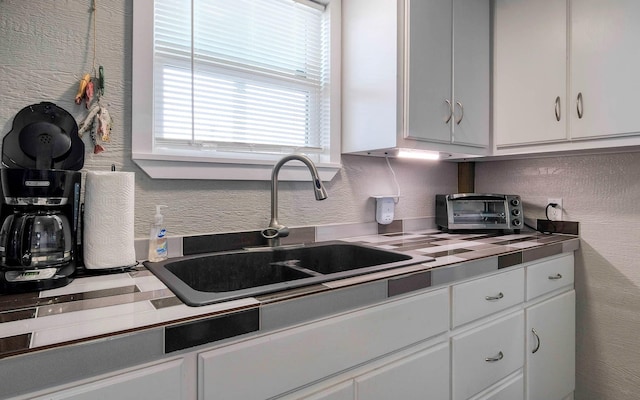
342	391
418	373
485	296
277	363
550	370
424	375
511	389
162	381
484	355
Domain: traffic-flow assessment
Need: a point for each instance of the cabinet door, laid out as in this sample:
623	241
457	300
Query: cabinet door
483	356
419	376
550	368
604	68
428	71
161	381
471	76
529	71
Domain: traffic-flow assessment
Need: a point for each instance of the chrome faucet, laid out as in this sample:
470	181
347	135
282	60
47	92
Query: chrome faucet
275	230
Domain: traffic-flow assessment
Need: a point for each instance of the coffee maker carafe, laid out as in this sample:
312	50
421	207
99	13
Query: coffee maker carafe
40	202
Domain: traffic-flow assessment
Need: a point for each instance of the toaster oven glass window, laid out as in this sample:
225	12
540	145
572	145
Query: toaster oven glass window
475	212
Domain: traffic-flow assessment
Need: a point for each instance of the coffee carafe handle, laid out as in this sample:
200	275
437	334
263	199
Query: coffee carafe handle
19	242
25	251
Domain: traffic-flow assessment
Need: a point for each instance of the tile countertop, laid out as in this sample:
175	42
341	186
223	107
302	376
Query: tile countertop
102	306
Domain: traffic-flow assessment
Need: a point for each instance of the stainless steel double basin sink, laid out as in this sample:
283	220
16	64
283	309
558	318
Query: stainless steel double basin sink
215	277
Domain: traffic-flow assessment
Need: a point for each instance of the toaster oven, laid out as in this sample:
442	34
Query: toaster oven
476	211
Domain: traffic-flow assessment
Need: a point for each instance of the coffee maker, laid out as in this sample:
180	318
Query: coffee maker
40	200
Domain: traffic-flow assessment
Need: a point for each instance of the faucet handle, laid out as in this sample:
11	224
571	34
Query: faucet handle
275	232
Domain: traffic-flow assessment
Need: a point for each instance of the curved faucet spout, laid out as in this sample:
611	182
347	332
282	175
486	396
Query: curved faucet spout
275	230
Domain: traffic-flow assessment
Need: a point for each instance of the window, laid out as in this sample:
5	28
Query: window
224	88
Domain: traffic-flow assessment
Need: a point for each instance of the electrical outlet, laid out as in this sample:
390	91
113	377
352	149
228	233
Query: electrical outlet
555	213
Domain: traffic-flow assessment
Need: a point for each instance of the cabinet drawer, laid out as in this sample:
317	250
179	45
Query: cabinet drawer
549	275
409	378
483	356
485	296
276	363
164	380
513	389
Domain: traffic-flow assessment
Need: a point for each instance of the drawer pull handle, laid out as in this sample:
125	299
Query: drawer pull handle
493	298
533	330
499	357
555	277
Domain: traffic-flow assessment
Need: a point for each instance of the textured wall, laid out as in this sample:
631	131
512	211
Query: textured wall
45	48
602	192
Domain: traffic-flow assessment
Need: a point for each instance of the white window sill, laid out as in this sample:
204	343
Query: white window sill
160	167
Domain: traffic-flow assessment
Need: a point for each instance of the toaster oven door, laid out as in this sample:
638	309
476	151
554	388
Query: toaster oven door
478	213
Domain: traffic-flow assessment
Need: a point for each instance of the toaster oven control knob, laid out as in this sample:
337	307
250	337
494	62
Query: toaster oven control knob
515	212
515	202
516	222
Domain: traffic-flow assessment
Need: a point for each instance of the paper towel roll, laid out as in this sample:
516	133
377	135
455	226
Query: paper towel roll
109	205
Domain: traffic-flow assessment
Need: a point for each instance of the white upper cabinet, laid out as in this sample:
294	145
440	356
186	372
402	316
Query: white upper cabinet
447	78
529	71
429	75
605	64
416	75
565	75
471	72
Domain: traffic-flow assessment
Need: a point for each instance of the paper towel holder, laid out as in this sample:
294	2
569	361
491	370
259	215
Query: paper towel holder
82	270
106	227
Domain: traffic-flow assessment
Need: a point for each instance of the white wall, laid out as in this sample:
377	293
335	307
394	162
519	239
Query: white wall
45	48
602	192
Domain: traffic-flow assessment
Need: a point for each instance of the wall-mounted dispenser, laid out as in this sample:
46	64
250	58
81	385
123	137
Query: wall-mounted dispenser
385	207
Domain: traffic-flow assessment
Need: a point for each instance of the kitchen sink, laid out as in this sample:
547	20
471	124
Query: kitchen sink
214	277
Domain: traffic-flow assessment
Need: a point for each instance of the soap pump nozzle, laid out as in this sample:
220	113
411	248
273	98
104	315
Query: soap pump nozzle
158	219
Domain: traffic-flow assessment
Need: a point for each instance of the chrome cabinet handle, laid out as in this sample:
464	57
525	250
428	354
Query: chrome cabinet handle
450	111
555	277
461	112
557	109
533	330
499	357
580	106
492	298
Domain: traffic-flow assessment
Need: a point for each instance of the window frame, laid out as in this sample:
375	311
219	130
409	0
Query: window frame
160	165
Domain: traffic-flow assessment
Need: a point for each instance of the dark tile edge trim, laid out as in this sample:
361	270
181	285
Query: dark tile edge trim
509	260
191	334
406	284
14	344
542	252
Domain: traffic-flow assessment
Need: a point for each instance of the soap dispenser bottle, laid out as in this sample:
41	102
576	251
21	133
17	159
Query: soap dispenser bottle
158	250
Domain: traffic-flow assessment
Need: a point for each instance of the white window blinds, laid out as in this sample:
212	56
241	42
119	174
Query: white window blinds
241	76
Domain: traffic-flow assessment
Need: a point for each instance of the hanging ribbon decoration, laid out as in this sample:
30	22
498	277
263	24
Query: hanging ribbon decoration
98	120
